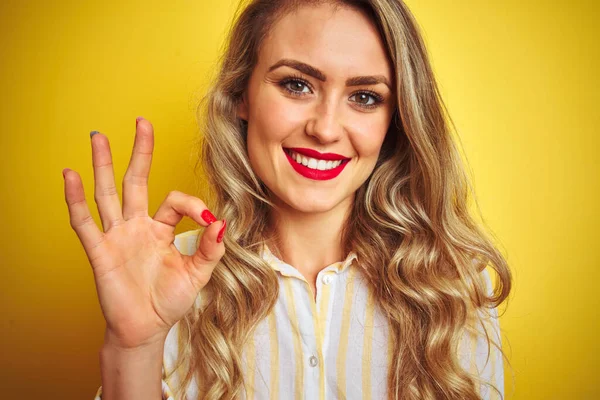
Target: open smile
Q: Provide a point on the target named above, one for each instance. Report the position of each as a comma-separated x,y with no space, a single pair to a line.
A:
327,166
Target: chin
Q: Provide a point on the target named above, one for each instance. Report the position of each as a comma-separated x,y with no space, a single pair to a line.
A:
311,205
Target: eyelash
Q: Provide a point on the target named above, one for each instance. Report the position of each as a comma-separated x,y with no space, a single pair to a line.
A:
295,79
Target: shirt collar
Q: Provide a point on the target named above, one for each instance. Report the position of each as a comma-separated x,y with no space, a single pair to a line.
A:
288,270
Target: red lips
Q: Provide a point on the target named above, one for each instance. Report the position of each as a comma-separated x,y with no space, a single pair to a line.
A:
316,174
315,154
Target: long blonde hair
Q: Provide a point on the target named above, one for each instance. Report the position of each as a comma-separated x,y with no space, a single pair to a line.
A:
419,248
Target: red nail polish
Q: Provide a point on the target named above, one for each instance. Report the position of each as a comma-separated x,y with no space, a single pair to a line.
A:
221,233
208,217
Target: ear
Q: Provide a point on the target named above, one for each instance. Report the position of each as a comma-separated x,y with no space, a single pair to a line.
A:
242,108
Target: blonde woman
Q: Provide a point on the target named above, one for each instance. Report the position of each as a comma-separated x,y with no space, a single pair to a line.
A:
344,263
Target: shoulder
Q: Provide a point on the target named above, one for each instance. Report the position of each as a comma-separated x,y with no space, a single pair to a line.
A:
480,348
485,274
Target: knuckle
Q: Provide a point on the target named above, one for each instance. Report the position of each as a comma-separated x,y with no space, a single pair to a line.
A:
78,223
108,165
116,222
107,191
135,180
200,203
174,194
76,204
202,254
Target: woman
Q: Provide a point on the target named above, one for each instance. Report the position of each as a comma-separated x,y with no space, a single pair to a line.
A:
351,267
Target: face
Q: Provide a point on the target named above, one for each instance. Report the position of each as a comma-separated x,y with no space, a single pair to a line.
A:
318,106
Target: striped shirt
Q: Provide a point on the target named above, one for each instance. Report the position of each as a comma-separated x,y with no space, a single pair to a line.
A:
333,348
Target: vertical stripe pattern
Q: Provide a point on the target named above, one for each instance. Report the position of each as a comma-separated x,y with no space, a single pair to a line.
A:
345,329
367,348
335,347
274,356
297,338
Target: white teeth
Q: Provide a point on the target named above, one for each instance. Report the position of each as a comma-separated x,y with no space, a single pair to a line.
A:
314,163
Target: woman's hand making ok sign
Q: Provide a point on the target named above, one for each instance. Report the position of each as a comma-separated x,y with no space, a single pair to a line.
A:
144,284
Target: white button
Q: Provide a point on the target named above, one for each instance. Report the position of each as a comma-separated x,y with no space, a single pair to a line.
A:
313,361
327,279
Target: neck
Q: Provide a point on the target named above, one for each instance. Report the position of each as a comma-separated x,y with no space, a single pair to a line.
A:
310,241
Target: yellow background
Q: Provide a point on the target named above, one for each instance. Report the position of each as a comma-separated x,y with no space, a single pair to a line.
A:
520,80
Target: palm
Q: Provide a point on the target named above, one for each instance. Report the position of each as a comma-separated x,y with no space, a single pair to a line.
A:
141,279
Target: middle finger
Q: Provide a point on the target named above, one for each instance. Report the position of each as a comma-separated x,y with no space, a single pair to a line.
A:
105,192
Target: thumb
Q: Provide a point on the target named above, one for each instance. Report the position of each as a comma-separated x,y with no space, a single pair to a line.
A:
211,249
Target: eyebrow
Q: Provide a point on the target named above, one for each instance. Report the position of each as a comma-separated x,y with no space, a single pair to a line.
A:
317,74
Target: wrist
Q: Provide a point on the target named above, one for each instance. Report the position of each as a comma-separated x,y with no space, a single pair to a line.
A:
116,343
131,372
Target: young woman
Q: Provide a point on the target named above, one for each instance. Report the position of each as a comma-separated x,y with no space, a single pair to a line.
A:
351,267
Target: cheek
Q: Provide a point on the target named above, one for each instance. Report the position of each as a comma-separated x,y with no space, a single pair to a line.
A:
368,135
274,117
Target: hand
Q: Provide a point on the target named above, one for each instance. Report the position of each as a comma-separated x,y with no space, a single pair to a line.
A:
144,284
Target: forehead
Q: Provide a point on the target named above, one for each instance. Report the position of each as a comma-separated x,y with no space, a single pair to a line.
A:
340,41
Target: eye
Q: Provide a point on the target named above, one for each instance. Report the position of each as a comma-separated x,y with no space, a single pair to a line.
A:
295,86
366,99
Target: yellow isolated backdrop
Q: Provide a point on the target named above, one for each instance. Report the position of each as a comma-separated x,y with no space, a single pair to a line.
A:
520,80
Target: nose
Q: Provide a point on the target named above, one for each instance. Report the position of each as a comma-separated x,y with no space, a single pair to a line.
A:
325,125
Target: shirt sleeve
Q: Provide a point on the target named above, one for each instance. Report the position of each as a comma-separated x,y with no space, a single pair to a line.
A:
483,360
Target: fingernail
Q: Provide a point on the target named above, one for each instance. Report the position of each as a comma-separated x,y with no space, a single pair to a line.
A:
138,119
64,171
92,133
208,217
221,233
